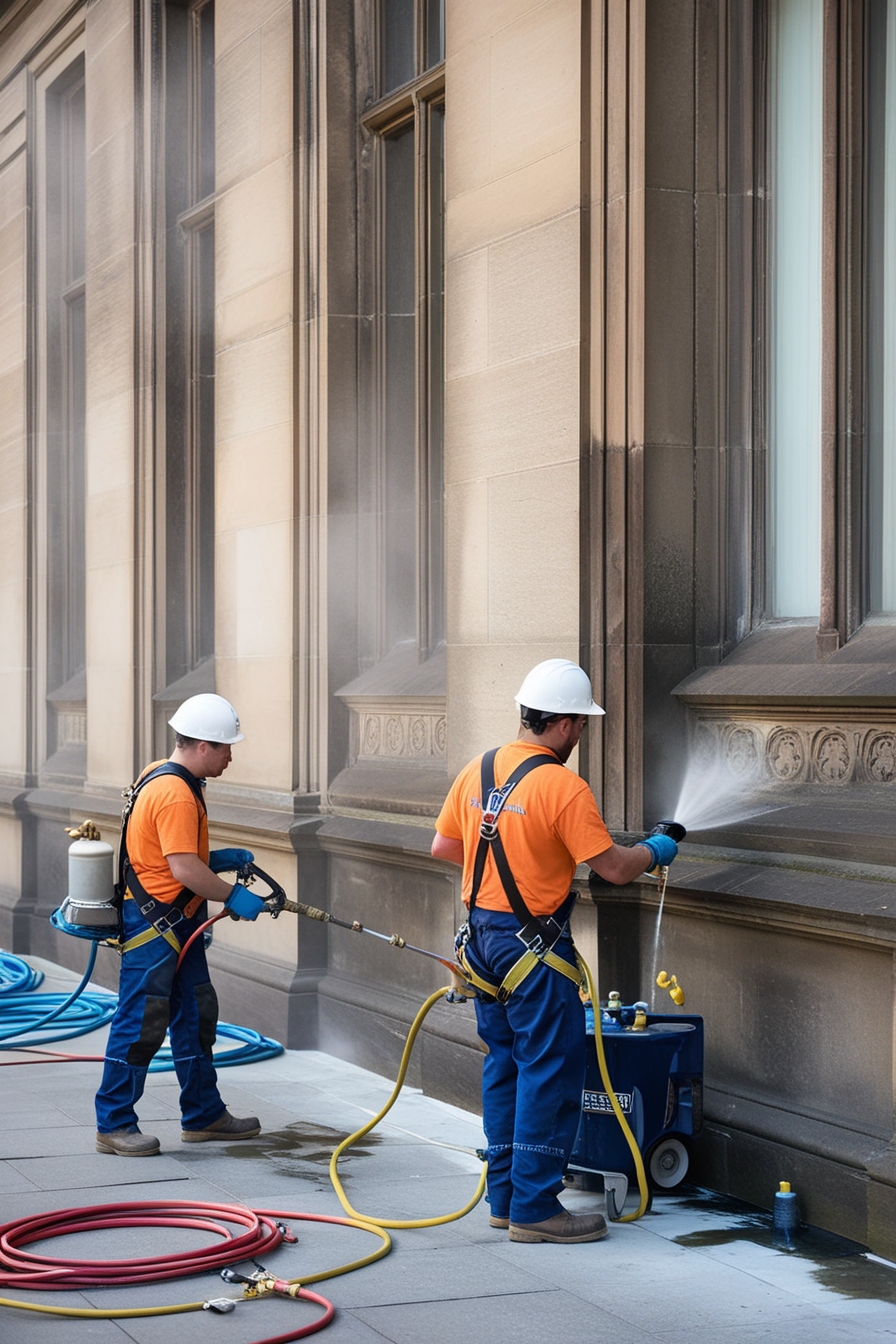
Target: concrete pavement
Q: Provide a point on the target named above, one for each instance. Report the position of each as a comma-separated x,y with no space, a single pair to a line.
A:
696,1270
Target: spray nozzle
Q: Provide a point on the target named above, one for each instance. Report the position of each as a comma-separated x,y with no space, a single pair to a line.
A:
673,829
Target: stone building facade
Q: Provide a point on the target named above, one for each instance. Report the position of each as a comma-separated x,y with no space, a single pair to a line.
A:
355,355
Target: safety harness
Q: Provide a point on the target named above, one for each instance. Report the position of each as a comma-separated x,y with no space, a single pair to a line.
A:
538,934
162,916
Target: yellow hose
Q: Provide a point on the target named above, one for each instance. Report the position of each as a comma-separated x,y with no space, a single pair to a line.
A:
366,1222
643,1188
371,1124
92,1313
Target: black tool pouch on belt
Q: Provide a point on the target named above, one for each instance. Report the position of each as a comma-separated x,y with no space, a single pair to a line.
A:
163,915
538,935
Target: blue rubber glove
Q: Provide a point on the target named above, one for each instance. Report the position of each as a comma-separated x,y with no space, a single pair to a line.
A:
662,847
225,860
244,903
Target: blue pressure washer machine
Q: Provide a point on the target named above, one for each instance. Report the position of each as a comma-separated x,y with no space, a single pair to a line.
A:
656,1069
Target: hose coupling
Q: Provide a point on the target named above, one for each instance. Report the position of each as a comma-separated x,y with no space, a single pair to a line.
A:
220,1305
286,1233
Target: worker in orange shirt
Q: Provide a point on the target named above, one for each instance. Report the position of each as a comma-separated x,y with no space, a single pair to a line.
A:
519,831
170,875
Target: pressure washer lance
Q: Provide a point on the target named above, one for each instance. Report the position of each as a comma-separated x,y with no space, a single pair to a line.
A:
675,831
277,902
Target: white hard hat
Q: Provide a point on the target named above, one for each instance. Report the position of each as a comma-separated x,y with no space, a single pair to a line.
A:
208,718
557,686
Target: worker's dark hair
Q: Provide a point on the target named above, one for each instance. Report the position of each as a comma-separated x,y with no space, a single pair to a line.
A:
536,720
182,741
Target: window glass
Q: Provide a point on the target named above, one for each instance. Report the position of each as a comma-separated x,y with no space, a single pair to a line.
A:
66,376
190,337
408,255
436,374
435,32
881,345
204,100
399,372
397,44
795,211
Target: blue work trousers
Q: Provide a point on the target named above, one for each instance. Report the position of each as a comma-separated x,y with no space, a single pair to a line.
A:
533,1075
154,997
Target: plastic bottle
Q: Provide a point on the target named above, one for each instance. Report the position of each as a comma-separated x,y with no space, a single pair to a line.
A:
786,1217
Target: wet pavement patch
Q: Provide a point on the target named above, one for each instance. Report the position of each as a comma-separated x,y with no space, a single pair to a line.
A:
841,1265
300,1150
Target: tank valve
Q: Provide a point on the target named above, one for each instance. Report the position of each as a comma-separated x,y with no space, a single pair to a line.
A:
676,993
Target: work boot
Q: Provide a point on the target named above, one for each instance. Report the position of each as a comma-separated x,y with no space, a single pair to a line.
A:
223,1129
566,1228
495,1220
127,1143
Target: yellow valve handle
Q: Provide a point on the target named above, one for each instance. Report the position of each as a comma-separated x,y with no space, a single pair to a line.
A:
676,993
88,830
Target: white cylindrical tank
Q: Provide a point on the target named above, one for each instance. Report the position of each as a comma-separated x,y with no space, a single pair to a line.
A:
91,879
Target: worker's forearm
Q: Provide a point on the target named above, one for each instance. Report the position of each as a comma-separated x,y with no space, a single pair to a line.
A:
197,877
621,863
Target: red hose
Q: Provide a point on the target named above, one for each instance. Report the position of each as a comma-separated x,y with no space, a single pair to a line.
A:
259,1232
196,932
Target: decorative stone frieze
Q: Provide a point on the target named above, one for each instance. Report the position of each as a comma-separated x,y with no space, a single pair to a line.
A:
71,726
794,749
392,733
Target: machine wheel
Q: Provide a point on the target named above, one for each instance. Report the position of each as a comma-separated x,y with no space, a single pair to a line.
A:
668,1163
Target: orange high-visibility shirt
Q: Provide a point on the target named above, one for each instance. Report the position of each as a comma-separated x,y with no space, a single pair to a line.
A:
166,820
548,825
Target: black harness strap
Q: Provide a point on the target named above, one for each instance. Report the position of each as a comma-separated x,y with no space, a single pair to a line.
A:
539,935
163,915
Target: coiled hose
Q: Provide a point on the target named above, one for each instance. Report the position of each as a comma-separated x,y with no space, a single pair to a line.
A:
27,1019
16,975
259,1231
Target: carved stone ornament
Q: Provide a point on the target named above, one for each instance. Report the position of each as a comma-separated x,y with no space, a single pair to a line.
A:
785,754
799,751
414,735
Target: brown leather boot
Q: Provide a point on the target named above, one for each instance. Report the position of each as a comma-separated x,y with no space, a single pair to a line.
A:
225,1128
565,1227
127,1143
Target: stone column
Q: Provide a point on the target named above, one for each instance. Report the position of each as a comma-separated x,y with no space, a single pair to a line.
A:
254,488
111,343
14,559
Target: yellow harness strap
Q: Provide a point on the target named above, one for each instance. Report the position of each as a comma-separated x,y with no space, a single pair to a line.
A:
518,972
140,938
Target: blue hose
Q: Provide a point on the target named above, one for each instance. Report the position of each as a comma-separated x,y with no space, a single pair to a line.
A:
16,975
255,1048
78,1013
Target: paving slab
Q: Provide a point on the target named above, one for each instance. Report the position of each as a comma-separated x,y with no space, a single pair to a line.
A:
696,1270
